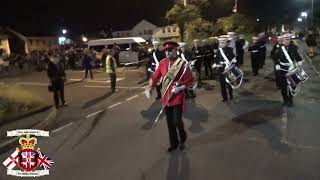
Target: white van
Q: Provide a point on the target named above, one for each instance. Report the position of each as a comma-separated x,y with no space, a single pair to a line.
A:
129,47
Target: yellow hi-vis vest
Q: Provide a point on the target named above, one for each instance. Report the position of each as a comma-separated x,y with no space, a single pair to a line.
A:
108,64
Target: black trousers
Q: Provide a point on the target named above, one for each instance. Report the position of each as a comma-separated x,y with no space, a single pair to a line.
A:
198,66
175,125
255,64
277,77
286,95
58,92
159,90
239,60
113,80
208,67
90,70
224,86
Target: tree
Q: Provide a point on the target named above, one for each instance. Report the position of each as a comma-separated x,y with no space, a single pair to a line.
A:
199,29
181,14
237,23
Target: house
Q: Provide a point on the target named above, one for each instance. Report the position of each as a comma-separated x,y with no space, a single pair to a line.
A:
41,43
4,44
166,33
143,29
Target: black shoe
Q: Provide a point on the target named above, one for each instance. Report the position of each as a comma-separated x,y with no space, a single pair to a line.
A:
225,100
64,104
231,97
172,148
285,103
158,98
290,104
182,147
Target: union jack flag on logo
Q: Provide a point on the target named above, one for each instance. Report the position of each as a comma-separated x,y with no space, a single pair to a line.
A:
44,161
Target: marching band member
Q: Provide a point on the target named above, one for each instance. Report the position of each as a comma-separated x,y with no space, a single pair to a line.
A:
156,57
255,56
283,58
207,60
232,42
241,45
176,78
186,55
220,61
274,50
197,53
263,48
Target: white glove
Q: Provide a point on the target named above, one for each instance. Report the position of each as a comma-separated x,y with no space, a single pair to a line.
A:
234,61
193,63
148,92
278,67
149,69
214,65
299,63
177,89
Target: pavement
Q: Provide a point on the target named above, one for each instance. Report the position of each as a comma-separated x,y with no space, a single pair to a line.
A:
104,136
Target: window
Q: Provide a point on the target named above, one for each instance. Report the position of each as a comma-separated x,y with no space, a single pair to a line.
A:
145,32
169,30
150,32
174,29
163,30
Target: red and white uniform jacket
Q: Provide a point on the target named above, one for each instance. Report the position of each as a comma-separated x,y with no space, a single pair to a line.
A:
186,80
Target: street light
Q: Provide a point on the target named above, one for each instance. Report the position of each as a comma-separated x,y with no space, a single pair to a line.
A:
258,20
64,31
304,14
299,19
84,39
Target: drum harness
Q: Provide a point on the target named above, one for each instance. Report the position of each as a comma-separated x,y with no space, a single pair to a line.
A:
292,65
228,64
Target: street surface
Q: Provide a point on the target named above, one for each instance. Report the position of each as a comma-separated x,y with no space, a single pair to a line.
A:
104,136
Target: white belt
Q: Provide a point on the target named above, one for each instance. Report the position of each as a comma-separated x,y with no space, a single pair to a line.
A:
255,51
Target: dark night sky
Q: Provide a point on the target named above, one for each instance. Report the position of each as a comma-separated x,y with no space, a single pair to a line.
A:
45,17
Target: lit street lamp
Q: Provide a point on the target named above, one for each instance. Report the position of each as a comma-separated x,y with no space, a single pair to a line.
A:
258,20
64,31
304,14
84,39
299,19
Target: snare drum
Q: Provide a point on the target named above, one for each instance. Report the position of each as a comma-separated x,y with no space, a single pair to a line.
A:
296,76
232,73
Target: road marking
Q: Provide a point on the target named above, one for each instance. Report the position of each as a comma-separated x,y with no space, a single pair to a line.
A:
112,106
104,81
75,79
93,114
32,84
133,97
61,128
118,87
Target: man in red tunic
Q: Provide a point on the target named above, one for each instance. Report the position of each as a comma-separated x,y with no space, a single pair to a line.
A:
176,78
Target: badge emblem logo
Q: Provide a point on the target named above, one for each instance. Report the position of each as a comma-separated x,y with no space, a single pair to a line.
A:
28,159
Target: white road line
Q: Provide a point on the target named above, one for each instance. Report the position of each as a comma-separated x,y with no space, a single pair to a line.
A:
61,128
32,84
133,97
118,87
93,114
112,106
75,79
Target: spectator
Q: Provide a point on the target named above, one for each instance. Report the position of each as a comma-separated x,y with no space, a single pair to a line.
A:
57,76
86,62
311,43
111,69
